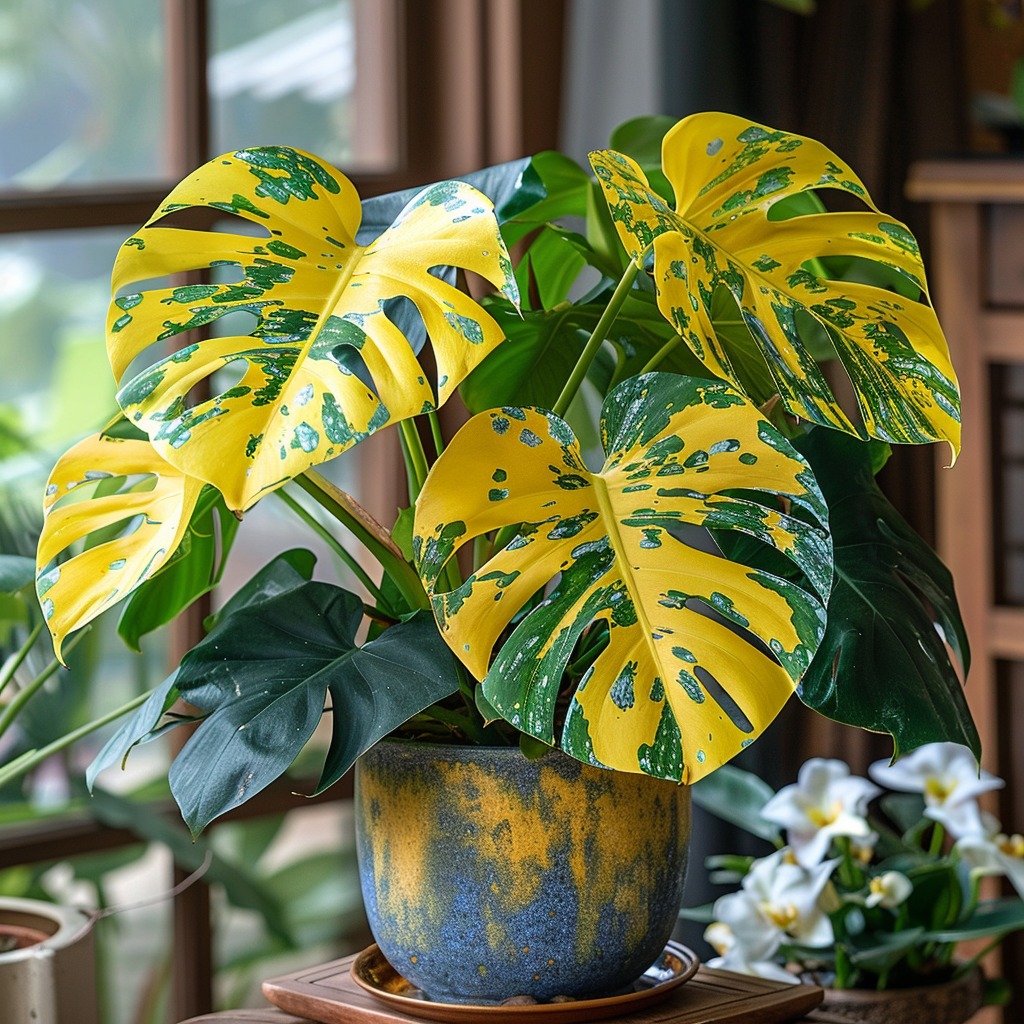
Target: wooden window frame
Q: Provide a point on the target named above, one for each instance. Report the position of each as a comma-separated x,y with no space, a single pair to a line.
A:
450,84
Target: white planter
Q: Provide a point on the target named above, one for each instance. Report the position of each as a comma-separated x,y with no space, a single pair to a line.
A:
52,981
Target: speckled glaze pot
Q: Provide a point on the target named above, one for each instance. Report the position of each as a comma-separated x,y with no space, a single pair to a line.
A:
486,875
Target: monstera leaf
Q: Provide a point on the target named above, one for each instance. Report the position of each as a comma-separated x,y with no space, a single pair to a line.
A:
319,303
126,508
895,651
286,653
702,652
727,174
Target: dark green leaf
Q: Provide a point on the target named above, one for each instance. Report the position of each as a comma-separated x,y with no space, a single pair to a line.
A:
383,684
501,183
194,569
140,727
993,917
532,748
261,678
640,138
551,265
884,948
532,366
737,796
285,572
553,187
16,573
884,665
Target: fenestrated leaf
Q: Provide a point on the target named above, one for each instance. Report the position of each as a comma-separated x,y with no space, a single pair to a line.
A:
676,692
895,650
127,506
727,174
261,678
194,569
319,304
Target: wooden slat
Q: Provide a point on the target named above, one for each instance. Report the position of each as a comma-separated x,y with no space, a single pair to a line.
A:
328,994
966,181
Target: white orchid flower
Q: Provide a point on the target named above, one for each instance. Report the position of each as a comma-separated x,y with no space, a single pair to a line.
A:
748,950
948,777
889,890
825,802
788,896
997,854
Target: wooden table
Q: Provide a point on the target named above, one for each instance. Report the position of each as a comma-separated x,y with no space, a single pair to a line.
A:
711,997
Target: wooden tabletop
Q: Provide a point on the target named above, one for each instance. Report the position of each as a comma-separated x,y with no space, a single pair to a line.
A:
278,1017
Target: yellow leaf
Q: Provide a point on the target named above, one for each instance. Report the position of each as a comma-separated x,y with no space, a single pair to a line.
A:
323,365
122,511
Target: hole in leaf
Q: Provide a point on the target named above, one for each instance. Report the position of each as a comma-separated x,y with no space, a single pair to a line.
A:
723,699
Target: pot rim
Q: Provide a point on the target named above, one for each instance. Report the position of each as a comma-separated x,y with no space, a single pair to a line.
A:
972,977
71,923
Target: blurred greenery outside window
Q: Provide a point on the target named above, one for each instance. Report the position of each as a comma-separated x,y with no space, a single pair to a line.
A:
93,102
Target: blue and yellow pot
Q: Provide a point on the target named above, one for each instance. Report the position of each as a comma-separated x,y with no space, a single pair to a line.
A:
486,875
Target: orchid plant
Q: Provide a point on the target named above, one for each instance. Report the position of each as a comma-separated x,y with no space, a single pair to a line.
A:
643,586
866,888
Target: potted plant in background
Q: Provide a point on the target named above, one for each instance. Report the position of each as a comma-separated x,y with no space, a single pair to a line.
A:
650,617
871,902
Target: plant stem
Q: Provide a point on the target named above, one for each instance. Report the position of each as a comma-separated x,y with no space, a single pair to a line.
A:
25,694
435,431
332,542
658,356
417,457
15,663
938,834
390,558
593,346
31,758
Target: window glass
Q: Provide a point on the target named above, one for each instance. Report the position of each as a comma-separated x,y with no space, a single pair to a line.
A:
283,74
54,289
81,92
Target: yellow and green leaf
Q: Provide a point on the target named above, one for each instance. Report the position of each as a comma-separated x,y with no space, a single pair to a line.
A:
115,512
727,174
702,652
323,366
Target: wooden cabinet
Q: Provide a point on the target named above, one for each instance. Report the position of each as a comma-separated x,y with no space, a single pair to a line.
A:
977,283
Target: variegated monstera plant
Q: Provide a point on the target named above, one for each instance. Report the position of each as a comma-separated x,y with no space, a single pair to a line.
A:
644,586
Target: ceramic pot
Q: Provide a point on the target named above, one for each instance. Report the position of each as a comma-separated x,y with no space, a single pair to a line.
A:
48,968
487,876
949,1002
